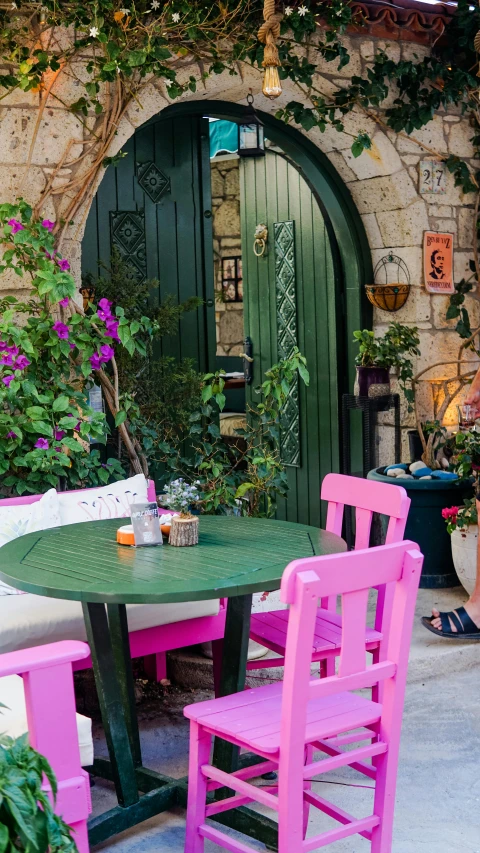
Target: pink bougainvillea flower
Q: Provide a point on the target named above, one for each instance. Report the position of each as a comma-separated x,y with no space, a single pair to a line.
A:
49,255
41,444
3,346
48,224
112,329
12,434
13,350
96,361
63,264
77,427
59,433
72,346
103,310
61,329
107,352
7,359
7,379
22,362
15,225
64,302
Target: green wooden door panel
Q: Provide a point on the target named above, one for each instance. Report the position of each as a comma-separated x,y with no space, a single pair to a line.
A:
273,191
235,556
162,186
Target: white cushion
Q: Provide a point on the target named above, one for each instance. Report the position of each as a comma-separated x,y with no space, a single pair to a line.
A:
31,620
27,518
13,718
103,502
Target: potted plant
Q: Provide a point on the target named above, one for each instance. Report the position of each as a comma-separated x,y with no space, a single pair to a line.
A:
377,356
180,496
27,818
462,524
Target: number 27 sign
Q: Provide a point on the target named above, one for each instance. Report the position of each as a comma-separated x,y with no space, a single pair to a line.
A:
433,177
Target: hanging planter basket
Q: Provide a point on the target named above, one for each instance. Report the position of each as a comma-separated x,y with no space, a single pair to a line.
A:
392,284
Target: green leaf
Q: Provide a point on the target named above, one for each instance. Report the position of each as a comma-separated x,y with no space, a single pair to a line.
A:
120,417
43,428
136,58
61,404
243,489
36,413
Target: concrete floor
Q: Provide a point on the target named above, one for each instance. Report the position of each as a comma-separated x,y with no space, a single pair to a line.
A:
438,798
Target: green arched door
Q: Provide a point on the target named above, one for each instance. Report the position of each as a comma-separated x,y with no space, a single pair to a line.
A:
290,296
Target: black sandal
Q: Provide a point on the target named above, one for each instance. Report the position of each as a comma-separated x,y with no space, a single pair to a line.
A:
466,628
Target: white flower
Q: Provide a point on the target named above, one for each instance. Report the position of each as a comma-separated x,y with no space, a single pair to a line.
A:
302,10
288,11
176,17
155,5
125,11
94,31
13,6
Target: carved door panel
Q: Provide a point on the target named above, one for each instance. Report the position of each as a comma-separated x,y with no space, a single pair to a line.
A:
290,300
154,207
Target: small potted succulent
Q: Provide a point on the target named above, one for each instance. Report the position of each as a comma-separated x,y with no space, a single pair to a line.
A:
180,496
377,356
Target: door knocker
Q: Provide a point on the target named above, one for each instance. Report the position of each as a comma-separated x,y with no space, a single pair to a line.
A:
260,241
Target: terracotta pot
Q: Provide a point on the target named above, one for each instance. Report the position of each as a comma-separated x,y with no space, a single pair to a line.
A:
372,382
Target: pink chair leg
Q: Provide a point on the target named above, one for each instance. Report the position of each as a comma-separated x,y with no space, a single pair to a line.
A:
307,787
327,667
156,666
80,831
200,748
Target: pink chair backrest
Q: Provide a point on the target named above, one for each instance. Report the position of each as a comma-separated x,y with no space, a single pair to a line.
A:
367,497
23,500
350,575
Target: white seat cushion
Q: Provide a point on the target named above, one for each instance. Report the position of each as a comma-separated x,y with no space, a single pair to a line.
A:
103,502
31,620
13,718
20,519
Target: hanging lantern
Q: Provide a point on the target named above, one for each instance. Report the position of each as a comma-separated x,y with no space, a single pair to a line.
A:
251,137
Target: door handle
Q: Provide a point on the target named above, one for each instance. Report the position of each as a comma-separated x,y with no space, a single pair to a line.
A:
247,356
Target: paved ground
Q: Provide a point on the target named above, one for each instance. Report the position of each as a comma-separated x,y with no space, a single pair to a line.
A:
438,802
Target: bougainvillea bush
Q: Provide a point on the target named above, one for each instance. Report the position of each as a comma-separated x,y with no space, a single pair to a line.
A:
51,353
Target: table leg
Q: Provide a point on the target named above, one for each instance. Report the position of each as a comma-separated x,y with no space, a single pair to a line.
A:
117,620
234,669
111,703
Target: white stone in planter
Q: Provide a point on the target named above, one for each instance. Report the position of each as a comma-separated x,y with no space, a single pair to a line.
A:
464,554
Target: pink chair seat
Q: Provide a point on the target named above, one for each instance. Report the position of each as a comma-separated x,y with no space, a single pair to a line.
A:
270,629
254,717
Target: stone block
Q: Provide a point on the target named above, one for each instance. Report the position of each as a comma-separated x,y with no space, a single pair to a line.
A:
217,183
231,328
367,49
404,227
414,52
447,225
380,159
56,128
354,67
440,306
373,231
343,170
442,210
232,182
410,255
432,136
227,219
455,195
410,159
15,182
152,99
440,348
459,139
392,49
390,192
465,227
461,265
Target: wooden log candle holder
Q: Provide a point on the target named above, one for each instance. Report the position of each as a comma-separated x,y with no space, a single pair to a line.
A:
184,531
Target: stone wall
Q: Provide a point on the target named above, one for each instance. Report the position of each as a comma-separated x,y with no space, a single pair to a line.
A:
383,182
226,243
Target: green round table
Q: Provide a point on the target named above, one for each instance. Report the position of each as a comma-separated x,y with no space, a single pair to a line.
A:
234,558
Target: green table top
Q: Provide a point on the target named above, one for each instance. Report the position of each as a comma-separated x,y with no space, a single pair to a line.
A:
235,556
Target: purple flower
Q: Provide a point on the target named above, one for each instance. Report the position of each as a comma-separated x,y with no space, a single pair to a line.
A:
48,224
13,350
112,328
7,379
61,329
107,352
7,359
95,361
59,433
15,225
103,310
77,427
64,302
41,443
3,346
49,255
72,346
63,264
12,434
21,363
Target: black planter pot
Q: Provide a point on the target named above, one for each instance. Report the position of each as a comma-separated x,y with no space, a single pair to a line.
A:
372,382
425,524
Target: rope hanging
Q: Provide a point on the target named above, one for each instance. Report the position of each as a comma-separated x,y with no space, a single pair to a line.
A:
269,32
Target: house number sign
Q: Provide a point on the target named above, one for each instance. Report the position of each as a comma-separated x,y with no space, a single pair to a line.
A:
433,177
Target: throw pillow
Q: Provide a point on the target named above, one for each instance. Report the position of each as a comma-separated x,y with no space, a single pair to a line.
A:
102,502
20,519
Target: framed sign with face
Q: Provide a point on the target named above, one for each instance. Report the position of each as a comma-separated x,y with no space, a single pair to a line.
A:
438,262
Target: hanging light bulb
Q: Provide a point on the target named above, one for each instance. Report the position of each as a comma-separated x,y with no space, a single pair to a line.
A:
272,87
268,34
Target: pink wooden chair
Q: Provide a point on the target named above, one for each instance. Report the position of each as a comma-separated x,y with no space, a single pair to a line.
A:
52,727
270,628
285,723
154,642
